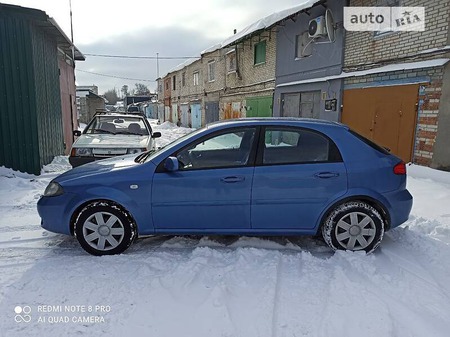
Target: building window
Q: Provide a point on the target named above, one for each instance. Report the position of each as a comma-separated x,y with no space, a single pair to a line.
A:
303,45
386,3
167,84
159,87
174,82
260,52
183,79
231,61
196,77
211,71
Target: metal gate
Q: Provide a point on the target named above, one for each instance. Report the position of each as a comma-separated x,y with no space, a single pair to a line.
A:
184,110
259,106
212,112
174,114
386,115
302,104
196,116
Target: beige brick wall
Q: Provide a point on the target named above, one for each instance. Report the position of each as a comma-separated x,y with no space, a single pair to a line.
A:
364,47
250,80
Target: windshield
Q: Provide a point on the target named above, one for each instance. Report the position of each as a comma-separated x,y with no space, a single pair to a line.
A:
117,125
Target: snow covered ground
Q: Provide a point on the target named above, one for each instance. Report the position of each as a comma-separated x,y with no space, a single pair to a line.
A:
224,286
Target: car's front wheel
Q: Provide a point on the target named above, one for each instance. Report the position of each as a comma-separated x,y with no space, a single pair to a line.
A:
103,228
354,226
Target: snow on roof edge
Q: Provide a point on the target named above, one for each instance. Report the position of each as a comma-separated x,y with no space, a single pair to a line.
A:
383,69
268,21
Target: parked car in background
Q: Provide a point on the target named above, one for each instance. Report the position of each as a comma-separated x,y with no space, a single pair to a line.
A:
252,177
133,108
112,134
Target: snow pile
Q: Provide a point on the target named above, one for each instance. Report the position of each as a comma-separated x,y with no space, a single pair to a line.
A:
198,286
169,133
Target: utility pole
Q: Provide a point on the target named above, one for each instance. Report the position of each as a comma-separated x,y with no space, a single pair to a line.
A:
73,99
157,65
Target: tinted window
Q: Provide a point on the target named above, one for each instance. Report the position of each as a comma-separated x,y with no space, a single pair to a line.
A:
369,142
293,146
229,149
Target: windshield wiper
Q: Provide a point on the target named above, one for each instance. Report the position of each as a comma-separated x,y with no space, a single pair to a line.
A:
103,131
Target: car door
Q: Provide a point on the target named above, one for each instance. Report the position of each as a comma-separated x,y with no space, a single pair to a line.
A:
212,187
298,172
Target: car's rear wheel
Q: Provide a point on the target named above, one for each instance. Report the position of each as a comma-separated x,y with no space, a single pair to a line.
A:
103,228
354,226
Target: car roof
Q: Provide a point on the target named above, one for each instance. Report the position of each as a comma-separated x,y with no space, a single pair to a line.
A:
292,121
119,114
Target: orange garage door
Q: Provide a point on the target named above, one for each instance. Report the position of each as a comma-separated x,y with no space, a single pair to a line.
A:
386,115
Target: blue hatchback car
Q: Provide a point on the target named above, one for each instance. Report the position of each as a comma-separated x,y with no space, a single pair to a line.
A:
250,176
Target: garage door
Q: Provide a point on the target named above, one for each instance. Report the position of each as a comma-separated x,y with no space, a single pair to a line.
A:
386,115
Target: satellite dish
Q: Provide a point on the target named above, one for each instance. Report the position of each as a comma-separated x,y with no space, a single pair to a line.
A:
329,25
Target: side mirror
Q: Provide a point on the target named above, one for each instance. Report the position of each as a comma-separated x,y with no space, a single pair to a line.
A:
171,164
77,133
156,134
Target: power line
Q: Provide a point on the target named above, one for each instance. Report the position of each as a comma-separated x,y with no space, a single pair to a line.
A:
145,57
113,76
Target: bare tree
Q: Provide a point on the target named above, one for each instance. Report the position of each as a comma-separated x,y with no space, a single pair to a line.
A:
111,96
124,90
141,89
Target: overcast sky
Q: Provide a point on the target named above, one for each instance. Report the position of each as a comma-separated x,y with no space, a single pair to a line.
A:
174,28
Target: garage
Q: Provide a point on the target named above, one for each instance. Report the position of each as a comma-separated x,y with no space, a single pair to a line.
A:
387,115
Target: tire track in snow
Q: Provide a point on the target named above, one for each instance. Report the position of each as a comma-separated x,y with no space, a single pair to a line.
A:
276,297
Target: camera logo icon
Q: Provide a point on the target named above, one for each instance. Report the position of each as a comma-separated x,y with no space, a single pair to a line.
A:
22,314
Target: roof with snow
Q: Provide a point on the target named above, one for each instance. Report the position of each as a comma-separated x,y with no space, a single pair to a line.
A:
268,22
256,27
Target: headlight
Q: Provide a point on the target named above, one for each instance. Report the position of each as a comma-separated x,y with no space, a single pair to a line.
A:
81,152
134,151
53,189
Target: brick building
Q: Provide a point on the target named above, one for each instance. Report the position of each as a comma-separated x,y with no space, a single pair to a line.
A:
397,87
392,87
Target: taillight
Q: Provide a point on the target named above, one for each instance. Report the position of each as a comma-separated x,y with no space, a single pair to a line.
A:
400,168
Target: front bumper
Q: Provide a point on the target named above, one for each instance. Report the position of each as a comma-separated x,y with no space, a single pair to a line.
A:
55,213
78,161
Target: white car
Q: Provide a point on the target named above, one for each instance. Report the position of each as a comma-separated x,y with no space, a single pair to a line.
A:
112,134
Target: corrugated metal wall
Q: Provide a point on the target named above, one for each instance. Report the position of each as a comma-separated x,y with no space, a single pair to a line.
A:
48,97
30,106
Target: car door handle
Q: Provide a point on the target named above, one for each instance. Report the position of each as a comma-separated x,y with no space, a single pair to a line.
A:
326,175
232,179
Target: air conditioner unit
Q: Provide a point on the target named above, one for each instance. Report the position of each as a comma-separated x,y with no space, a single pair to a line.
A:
317,27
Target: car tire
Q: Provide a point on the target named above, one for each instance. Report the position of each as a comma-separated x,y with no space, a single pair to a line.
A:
354,226
103,228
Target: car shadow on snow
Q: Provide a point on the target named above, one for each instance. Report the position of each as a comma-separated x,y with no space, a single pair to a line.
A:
292,244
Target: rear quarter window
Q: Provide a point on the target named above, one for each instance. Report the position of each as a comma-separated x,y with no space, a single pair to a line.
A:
373,145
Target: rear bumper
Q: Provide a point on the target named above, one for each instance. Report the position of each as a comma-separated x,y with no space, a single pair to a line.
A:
400,206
